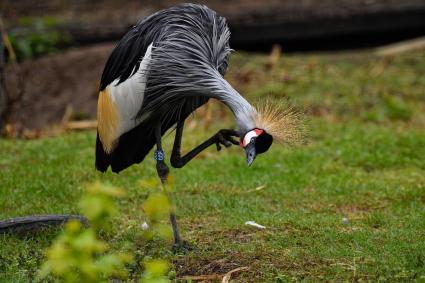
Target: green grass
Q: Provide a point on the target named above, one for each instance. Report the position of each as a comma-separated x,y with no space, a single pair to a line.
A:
364,160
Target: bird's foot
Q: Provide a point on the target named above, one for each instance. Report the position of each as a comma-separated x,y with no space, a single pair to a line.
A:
225,137
183,247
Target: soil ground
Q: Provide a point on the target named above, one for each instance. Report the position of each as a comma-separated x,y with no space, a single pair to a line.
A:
55,82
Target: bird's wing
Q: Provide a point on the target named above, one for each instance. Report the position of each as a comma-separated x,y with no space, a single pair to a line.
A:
120,102
126,56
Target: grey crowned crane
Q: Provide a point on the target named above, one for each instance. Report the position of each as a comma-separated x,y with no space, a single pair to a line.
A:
162,70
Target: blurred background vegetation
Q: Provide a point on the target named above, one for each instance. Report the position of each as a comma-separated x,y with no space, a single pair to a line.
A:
38,36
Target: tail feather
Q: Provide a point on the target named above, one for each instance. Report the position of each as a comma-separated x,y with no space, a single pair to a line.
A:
132,148
102,158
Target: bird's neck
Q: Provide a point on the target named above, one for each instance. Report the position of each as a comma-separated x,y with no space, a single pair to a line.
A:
243,111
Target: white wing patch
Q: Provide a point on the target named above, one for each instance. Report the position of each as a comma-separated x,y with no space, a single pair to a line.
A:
127,99
128,96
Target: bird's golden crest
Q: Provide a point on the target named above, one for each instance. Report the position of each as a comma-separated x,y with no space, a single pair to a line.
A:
281,121
107,121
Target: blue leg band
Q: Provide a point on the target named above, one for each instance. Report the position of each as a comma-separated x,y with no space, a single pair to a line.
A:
159,155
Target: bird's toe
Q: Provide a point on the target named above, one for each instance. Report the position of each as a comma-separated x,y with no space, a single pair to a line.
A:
183,247
222,140
218,146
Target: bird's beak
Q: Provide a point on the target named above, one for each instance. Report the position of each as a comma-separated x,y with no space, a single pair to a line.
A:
250,153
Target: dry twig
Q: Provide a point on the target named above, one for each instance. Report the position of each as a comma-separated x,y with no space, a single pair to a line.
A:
196,278
228,275
81,125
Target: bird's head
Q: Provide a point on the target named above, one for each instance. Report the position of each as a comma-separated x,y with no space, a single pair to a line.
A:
254,142
274,121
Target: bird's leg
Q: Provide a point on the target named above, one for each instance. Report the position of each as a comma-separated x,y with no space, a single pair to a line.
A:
161,167
222,137
162,170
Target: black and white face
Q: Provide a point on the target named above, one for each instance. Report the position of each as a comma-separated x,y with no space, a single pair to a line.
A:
255,142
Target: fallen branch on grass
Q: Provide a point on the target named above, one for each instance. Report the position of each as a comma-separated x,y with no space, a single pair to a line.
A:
37,222
225,278
228,275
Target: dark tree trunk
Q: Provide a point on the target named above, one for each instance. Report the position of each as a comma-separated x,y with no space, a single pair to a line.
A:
3,95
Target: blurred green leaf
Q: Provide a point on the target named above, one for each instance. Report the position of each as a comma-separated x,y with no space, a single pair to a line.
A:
79,255
155,271
157,207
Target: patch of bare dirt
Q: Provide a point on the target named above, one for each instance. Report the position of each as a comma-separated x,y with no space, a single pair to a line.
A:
55,82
